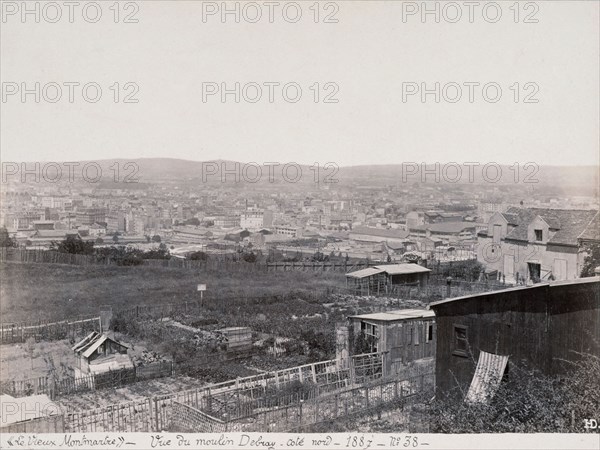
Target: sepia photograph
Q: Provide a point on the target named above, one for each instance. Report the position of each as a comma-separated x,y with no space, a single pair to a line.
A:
310,224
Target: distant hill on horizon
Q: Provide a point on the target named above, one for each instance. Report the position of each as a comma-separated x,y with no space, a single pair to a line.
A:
148,170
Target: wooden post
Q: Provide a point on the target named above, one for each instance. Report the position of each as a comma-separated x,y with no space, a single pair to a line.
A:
337,401
156,411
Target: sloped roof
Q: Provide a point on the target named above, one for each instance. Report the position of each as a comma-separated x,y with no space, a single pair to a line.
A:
381,232
54,233
586,280
89,344
390,269
398,314
592,231
444,227
568,223
401,269
363,273
512,219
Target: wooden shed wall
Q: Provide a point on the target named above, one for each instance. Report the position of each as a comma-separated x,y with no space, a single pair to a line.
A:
533,326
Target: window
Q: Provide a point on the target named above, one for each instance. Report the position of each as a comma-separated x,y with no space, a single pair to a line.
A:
370,330
371,334
428,332
538,235
460,340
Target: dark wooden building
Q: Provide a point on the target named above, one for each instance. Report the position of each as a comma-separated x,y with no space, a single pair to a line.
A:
407,335
99,353
380,279
539,327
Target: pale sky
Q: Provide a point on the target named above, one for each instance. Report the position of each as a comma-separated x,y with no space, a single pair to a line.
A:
368,54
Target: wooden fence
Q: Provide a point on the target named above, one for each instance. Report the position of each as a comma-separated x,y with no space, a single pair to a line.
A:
234,399
41,256
344,403
344,267
186,411
112,379
11,333
437,288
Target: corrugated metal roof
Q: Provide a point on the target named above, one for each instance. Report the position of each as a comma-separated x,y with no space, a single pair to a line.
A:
487,377
398,314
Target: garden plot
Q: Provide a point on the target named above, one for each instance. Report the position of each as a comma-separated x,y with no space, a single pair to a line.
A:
32,360
132,392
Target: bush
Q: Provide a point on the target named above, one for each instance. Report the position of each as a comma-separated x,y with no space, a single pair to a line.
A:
529,402
591,261
249,257
74,245
198,256
5,239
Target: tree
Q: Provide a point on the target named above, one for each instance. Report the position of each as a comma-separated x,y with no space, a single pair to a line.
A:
99,240
198,256
591,261
156,238
249,257
74,245
160,253
5,239
320,257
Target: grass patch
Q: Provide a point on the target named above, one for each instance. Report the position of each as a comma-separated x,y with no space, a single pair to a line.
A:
31,292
